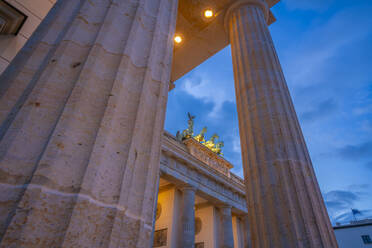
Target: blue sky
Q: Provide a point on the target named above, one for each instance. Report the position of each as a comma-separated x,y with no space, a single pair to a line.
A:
325,48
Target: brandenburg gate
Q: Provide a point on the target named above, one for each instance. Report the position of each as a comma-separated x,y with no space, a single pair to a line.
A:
82,110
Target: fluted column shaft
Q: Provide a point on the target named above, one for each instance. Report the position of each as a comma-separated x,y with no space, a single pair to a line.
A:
285,206
82,109
187,223
246,232
227,236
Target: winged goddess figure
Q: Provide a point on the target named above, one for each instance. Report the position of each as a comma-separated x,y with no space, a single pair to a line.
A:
189,131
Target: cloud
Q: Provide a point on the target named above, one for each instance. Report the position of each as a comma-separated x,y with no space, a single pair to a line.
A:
309,59
347,216
323,109
340,199
356,152
339,204
202,86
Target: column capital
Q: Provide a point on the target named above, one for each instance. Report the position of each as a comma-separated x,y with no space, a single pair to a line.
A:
225,209
187,187
224,205
260,3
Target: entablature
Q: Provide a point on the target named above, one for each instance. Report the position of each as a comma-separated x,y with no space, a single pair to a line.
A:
178,166
202,38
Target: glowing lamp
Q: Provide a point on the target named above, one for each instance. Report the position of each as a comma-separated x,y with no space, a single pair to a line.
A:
178,39
208,13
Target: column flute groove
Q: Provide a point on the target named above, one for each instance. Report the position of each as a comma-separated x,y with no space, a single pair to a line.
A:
244,138
94,183
284,203
16,83
270,64
44,174
153,171
256,121
89,184
256,136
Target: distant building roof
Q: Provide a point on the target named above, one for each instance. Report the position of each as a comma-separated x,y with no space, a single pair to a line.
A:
359,223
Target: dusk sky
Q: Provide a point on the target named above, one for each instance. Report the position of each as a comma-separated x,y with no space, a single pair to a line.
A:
325,48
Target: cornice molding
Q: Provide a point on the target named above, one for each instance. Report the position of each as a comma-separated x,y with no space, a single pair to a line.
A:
179,152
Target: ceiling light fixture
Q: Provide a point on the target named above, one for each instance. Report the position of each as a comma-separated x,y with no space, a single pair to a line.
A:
178,39
208,13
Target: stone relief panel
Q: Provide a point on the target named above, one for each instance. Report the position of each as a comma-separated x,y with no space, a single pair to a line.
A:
207,156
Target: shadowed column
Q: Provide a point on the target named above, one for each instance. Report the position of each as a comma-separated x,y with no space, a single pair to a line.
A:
247,233
187,223
82,109
227,236
285,206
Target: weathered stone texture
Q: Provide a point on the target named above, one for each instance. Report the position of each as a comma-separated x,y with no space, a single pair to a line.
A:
81,112
285,206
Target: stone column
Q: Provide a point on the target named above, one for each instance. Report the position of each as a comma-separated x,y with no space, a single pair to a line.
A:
285,206
82,108
246,232
187,223
227,236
